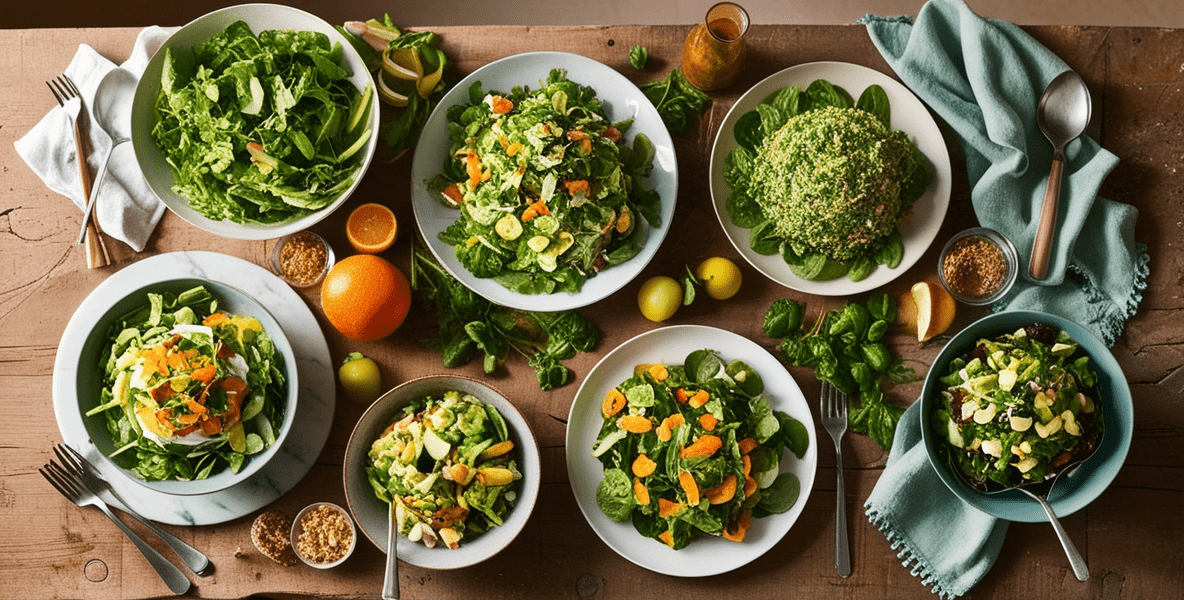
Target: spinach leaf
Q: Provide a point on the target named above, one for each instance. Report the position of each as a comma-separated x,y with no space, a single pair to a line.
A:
874,100
778,497
676,100
638,56
749,130
614,495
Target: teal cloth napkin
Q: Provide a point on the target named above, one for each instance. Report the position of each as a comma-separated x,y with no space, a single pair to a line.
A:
944,541
984,77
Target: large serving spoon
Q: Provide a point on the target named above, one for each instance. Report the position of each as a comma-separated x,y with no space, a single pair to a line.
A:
1062,114
113,112
1040,491
390,581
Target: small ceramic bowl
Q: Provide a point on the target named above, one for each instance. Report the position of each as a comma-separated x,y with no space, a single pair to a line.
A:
312,524
977,261
302,259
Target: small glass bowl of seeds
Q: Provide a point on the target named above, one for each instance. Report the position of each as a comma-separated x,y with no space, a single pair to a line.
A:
302,259
323,535
978,266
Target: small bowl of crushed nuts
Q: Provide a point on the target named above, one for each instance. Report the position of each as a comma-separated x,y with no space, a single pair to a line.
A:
323,535
302,259
978,266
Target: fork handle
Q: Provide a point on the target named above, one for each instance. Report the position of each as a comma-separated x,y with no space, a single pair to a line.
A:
96,250
192,557
172,576
842,550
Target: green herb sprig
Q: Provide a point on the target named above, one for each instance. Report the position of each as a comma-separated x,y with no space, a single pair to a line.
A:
845,348
676,100
469,323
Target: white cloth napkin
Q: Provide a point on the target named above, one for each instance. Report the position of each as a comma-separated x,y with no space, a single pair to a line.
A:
126,209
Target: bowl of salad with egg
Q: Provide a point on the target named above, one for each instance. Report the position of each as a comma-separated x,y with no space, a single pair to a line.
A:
188,386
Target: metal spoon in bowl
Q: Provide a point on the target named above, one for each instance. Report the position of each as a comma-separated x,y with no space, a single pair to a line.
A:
390,582
113,112
1040,490
1062,114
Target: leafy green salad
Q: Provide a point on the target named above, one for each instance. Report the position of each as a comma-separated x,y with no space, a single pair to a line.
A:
261,129
548,191
1019,407
821,179
188,390
449,465
695,449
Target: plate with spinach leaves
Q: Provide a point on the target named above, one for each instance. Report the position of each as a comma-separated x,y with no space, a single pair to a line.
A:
874,205
765,405
544,181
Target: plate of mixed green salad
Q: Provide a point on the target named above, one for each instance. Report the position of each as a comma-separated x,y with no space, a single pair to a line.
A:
830,178
255,121
691,450
1014,399
544,181
455,460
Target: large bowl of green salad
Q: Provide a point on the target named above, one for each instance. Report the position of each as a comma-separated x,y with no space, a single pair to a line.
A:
544,181
255,121
452,461
188,386
1016,397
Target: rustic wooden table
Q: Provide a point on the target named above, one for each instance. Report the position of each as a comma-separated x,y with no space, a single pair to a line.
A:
1132,536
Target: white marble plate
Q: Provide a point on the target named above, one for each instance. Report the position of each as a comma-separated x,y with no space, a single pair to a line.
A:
706,555
311,420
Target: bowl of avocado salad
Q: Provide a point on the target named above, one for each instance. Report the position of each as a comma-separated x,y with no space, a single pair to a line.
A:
453,460
1016,397
544,181
192,388
830,178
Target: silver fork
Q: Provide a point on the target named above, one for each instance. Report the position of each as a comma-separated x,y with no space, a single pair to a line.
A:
833,413
93,480
73,489
68,97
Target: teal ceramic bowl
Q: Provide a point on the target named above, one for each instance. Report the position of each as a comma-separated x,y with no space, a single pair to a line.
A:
1070,493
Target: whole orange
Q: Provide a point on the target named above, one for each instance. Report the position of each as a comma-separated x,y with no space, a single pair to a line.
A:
365,297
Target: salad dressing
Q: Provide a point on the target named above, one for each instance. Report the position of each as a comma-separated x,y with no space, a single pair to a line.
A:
713,54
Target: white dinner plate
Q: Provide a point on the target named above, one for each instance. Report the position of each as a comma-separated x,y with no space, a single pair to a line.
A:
621,100
310,423
706,555
918,227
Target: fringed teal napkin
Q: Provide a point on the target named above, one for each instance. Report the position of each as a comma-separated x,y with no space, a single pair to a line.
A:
985,78
944,541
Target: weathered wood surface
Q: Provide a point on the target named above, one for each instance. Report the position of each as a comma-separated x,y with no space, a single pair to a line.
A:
1132,536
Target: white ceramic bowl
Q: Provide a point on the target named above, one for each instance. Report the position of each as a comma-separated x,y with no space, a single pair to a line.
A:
622,100
370,512
259,17
89,382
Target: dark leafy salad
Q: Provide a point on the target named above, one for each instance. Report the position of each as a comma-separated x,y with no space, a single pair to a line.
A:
1018,407
449,465
845,348
261,129
188,390
548,193
695,449
822,180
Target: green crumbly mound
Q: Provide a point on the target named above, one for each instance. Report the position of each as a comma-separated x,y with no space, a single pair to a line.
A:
830,180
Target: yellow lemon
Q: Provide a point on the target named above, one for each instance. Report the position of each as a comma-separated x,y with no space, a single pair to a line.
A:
935,309
720,277
659,298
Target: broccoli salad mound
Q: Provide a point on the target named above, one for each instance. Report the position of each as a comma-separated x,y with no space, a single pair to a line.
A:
823,180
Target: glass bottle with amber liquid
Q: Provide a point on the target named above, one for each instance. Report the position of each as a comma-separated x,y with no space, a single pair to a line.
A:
714,51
